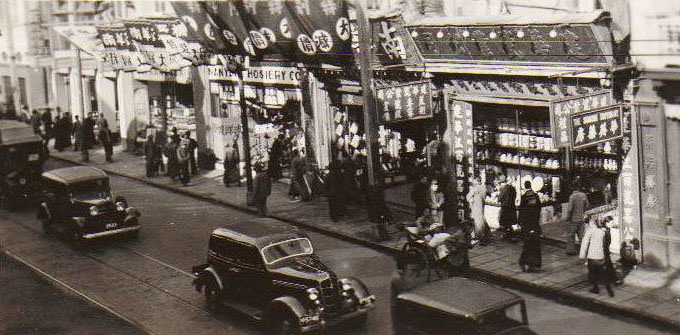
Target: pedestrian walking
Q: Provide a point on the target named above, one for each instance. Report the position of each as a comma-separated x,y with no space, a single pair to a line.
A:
476,197
418,196
25,115
47,122
262,188
66,130
297,170
35,121
529,219
576,208
508,213
334,191
170,151
77,132
275,156
87,137
595,249
232,159
106,139
150,156
435,199
193,145
58,129
183,158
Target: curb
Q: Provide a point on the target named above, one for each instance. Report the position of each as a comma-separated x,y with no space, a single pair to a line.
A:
555,294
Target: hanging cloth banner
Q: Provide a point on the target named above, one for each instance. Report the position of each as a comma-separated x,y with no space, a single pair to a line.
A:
227,17
146,38
321,30
203,34
172,33
118,49
268,26
394,45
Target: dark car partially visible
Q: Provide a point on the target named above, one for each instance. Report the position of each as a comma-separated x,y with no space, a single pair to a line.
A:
460,306
21,161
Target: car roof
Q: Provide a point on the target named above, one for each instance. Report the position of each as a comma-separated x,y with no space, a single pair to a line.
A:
75,174
13,132
260,232
461,297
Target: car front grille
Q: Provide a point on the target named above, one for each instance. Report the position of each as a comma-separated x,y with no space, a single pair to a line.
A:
330,294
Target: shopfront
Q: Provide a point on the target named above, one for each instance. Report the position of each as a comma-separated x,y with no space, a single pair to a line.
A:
272,97
530,100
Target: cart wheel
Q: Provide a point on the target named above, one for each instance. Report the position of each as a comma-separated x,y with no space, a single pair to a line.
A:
212,294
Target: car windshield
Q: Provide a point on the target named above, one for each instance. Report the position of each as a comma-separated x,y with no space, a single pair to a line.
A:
91,189
286,249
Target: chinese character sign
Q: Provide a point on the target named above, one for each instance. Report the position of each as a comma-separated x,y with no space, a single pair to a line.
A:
596,126
394,44
118,49
561,111
460,131
404,102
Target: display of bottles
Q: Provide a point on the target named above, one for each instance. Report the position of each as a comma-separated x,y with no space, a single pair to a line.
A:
528,160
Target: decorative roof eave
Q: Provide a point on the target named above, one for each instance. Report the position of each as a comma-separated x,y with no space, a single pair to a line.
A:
508,19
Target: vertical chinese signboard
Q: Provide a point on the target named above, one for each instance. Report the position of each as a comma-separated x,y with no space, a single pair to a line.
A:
597,126
406,101
460,132
629,186
562,110
394,44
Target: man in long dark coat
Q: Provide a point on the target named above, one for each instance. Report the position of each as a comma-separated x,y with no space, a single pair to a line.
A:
508,214
530,215
334,191
262,188
87,140
77,132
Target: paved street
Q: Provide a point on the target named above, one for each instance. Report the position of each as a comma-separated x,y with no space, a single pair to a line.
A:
146,281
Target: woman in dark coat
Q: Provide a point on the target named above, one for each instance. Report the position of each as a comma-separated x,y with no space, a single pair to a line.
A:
151,158
508,214
232,159
275,155
334,190
171,153
530,214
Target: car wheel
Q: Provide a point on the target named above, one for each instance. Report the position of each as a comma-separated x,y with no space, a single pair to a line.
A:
284,324
212,294
77,239
46,224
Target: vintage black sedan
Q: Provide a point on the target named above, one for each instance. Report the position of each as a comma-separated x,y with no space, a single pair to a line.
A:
460,306
77,203
268,270
21,161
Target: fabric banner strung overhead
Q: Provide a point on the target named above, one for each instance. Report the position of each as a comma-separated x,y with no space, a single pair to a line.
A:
204,32
118,49
150,36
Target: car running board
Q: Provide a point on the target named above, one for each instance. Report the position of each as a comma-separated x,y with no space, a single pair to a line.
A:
251,312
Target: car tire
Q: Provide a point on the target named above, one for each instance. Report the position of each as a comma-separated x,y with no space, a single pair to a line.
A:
282,324
46,224
212,294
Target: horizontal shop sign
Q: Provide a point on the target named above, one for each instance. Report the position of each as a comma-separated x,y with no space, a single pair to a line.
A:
596,126
578,43
562,109
406,101
264,74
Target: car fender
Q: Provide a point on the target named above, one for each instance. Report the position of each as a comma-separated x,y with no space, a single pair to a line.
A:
360,290
208,272
286,302
44,211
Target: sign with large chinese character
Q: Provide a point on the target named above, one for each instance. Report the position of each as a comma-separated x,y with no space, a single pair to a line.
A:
597,126
406,101
159,41
573,43
200,28
118,49
561,111
394,44
459,134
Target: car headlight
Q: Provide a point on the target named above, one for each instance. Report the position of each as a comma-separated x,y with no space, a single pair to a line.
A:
313,294
121,206
22,181
346,287
94,211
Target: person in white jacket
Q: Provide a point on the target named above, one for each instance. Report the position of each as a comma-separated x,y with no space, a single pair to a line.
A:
595,248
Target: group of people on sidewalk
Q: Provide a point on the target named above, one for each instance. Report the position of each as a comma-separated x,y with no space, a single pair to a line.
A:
179,152
65,130
589,236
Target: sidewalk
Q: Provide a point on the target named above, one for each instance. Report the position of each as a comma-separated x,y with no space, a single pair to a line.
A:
652,295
